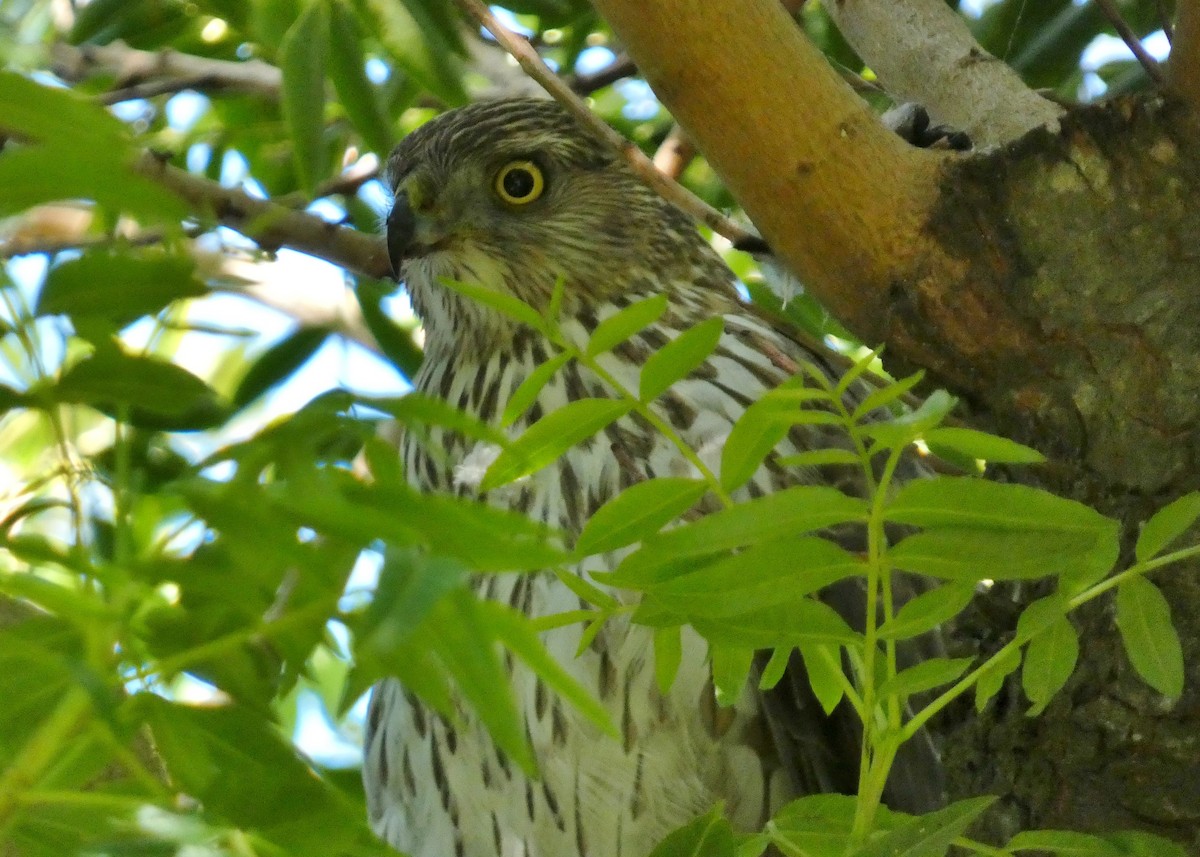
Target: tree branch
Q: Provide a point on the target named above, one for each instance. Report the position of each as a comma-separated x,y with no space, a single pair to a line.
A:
1183,68
172,71
837,195
1131,40
922,51
271,225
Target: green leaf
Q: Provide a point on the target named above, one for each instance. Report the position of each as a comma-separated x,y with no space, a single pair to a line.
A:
819,458
969,554
818,826
1050,659
637,512
1166,525
528,390
347,68
416,410
992,676
625,323
550,437
463,643
158,394
1151,641
668,654
420,47
775,668
51,173
804,621
278,363
504,304
884,396
1138,843
709,835
761,576
757,431
1039,616
926,675
55,116
679,357
823,663
513,630
929,835
1065,843
978,444
789,512
118,285
928,610
302,62
903,430
730,671
860,367
965,501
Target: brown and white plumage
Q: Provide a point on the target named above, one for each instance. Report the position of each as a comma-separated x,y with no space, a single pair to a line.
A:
437,790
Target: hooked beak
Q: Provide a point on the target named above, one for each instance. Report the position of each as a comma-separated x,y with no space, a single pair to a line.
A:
401,229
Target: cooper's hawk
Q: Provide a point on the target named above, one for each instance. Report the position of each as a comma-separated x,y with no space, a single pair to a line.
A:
513,195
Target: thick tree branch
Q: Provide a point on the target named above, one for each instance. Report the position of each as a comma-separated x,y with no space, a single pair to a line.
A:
922,51
1183,69
837,195
271,225
131,67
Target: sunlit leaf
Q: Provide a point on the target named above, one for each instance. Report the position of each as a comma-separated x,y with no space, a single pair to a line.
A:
1049,661
1151,641
625,323
926,675
550,437
118,285
529,389
302,62
637,512
1167,524
679,357
709,835
928,835
928,610
977,444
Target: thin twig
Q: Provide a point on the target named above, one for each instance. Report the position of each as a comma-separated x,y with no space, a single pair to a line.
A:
151,88
618,69
1131,40
675,153
672,191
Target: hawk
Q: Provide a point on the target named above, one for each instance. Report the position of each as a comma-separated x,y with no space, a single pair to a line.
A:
514,195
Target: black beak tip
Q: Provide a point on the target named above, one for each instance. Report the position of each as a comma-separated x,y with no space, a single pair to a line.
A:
400,229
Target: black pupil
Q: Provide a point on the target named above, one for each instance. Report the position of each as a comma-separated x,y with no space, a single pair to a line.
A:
518,182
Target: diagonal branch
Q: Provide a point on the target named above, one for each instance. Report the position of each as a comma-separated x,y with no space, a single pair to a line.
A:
269,224
1129,37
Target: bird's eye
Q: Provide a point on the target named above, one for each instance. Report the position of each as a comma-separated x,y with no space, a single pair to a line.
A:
520,182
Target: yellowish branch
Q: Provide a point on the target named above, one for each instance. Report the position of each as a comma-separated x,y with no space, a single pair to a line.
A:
1183,69
837,195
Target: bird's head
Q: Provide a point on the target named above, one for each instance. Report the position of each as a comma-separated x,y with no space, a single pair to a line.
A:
514,194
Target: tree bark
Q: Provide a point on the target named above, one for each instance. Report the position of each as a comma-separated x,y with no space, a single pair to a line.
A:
1054,283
